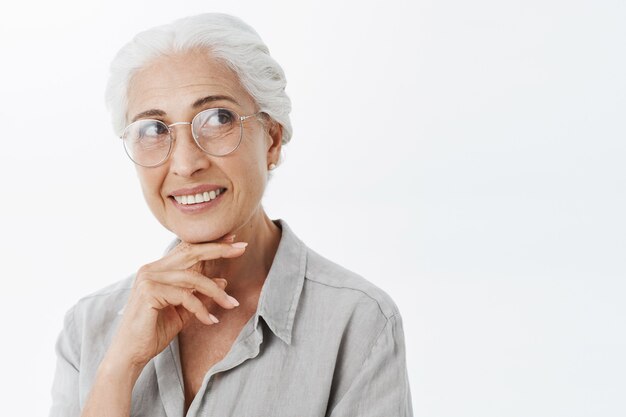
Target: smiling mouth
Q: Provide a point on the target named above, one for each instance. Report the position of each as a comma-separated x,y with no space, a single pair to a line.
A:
199,197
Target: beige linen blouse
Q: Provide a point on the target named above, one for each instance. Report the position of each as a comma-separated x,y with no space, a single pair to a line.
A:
324,342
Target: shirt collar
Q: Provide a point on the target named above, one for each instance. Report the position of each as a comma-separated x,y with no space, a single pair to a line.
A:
281,290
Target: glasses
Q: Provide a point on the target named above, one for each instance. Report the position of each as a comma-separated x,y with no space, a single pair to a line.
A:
218,132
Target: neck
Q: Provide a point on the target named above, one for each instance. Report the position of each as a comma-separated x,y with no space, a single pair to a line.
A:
248,272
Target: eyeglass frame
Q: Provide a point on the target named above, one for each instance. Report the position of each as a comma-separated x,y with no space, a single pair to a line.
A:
195,139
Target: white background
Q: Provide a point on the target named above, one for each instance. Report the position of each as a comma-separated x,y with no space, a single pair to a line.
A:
466,157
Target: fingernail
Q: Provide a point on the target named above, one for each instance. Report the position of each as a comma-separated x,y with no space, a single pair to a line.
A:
213,318
233,300
230,237
239,245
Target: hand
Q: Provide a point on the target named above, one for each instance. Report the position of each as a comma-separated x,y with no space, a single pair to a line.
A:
162,302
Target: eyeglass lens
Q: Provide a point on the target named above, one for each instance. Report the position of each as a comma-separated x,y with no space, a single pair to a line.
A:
216,132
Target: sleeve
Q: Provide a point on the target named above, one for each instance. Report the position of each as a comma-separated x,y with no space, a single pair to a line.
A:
64,391
381,387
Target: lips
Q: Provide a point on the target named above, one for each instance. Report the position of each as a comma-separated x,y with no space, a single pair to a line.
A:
200,189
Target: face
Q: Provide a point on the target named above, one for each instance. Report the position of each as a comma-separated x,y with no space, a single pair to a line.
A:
169,89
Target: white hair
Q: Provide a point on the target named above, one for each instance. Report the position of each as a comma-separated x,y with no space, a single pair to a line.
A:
228,39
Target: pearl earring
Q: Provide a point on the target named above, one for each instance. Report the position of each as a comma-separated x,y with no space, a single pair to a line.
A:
272,166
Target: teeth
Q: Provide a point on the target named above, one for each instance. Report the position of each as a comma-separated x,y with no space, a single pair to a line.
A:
198,198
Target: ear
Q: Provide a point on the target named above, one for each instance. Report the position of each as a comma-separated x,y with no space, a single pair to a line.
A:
274,141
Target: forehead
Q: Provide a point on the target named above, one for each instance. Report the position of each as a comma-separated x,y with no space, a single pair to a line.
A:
176,81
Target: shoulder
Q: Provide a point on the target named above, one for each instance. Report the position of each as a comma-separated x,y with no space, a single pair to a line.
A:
110,295
360,322
348,286
101,308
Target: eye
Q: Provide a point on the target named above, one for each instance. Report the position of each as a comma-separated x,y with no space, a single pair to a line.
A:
224,117
215,119
151,129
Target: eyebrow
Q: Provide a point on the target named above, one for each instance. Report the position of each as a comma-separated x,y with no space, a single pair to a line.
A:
198,103
148,114
208,99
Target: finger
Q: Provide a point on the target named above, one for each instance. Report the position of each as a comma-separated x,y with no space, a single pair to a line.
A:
221,282
185,255
184,314
193,280
228,238
159,296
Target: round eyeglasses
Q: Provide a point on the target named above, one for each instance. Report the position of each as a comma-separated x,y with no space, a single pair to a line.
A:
218,132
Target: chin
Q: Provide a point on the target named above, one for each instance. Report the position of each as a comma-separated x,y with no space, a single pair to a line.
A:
197,235
195,229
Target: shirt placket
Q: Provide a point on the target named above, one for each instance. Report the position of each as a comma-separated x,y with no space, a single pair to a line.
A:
169,373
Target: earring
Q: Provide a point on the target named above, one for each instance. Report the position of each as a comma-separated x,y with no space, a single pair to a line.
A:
272,166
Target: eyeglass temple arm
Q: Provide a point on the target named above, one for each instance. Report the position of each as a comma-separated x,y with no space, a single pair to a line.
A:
250,115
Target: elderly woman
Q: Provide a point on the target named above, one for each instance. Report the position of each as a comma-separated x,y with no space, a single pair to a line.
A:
239,317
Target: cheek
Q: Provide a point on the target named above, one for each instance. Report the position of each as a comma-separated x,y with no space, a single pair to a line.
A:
248,176
254,168
150,180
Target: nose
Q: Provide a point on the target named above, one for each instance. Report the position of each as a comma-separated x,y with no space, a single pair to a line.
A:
186,158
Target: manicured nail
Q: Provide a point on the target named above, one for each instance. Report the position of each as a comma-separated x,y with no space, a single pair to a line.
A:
213,318
239,245
233,300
